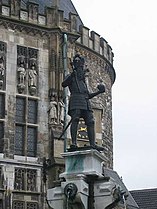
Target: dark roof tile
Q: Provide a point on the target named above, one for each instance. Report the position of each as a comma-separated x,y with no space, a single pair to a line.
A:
145,198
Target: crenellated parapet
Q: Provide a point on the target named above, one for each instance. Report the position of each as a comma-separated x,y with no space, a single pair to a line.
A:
95,42
19,17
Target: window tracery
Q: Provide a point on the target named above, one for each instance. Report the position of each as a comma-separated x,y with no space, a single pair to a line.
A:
27,70
26,127
24,205
25,179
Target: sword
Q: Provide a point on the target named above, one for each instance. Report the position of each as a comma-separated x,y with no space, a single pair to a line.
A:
65,128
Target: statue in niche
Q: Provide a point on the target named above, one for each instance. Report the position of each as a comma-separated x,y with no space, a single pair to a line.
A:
74,23
32,78
79,104
2,70
33,11
21,73
61,107
15,4
52,111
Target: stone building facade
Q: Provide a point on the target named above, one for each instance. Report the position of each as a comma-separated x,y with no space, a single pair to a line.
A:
32,67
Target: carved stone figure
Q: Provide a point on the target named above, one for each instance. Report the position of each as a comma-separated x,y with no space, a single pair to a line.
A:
32,78
79,104
15,7
2,70
21,73
33,11
61,107
53,110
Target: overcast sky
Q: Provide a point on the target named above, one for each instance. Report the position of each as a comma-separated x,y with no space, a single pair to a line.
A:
130,27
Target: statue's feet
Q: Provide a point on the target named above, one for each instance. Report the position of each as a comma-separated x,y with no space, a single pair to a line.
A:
73,146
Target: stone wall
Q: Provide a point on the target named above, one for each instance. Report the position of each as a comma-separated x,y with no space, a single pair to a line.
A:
9,162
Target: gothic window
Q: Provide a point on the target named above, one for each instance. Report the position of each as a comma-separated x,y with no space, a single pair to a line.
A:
26,127
32,54
1,178
1,130
32,205
19,140
26,108
24,205
21,51
18,205
27,70
1,136
2,106
19,179
25,179
31,141
20,109
31,180
32,111
2,46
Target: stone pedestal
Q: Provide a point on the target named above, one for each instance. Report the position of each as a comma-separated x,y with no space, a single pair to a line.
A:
87,162
83,186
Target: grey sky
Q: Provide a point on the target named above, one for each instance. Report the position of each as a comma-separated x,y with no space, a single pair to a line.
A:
130,27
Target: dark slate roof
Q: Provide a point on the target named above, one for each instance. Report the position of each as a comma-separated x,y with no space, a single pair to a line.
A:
145,198
131,204
64,5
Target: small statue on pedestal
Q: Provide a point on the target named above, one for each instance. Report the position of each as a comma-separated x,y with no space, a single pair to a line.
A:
2,69
21,72
61,107
53,110
79,104
32,79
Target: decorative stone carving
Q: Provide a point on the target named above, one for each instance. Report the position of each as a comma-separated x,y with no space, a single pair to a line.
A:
73,22
2,64
41,20
20,27
24,15
15,7
52,111
32,77
5,11
33,11
61,107
2,70
21,74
